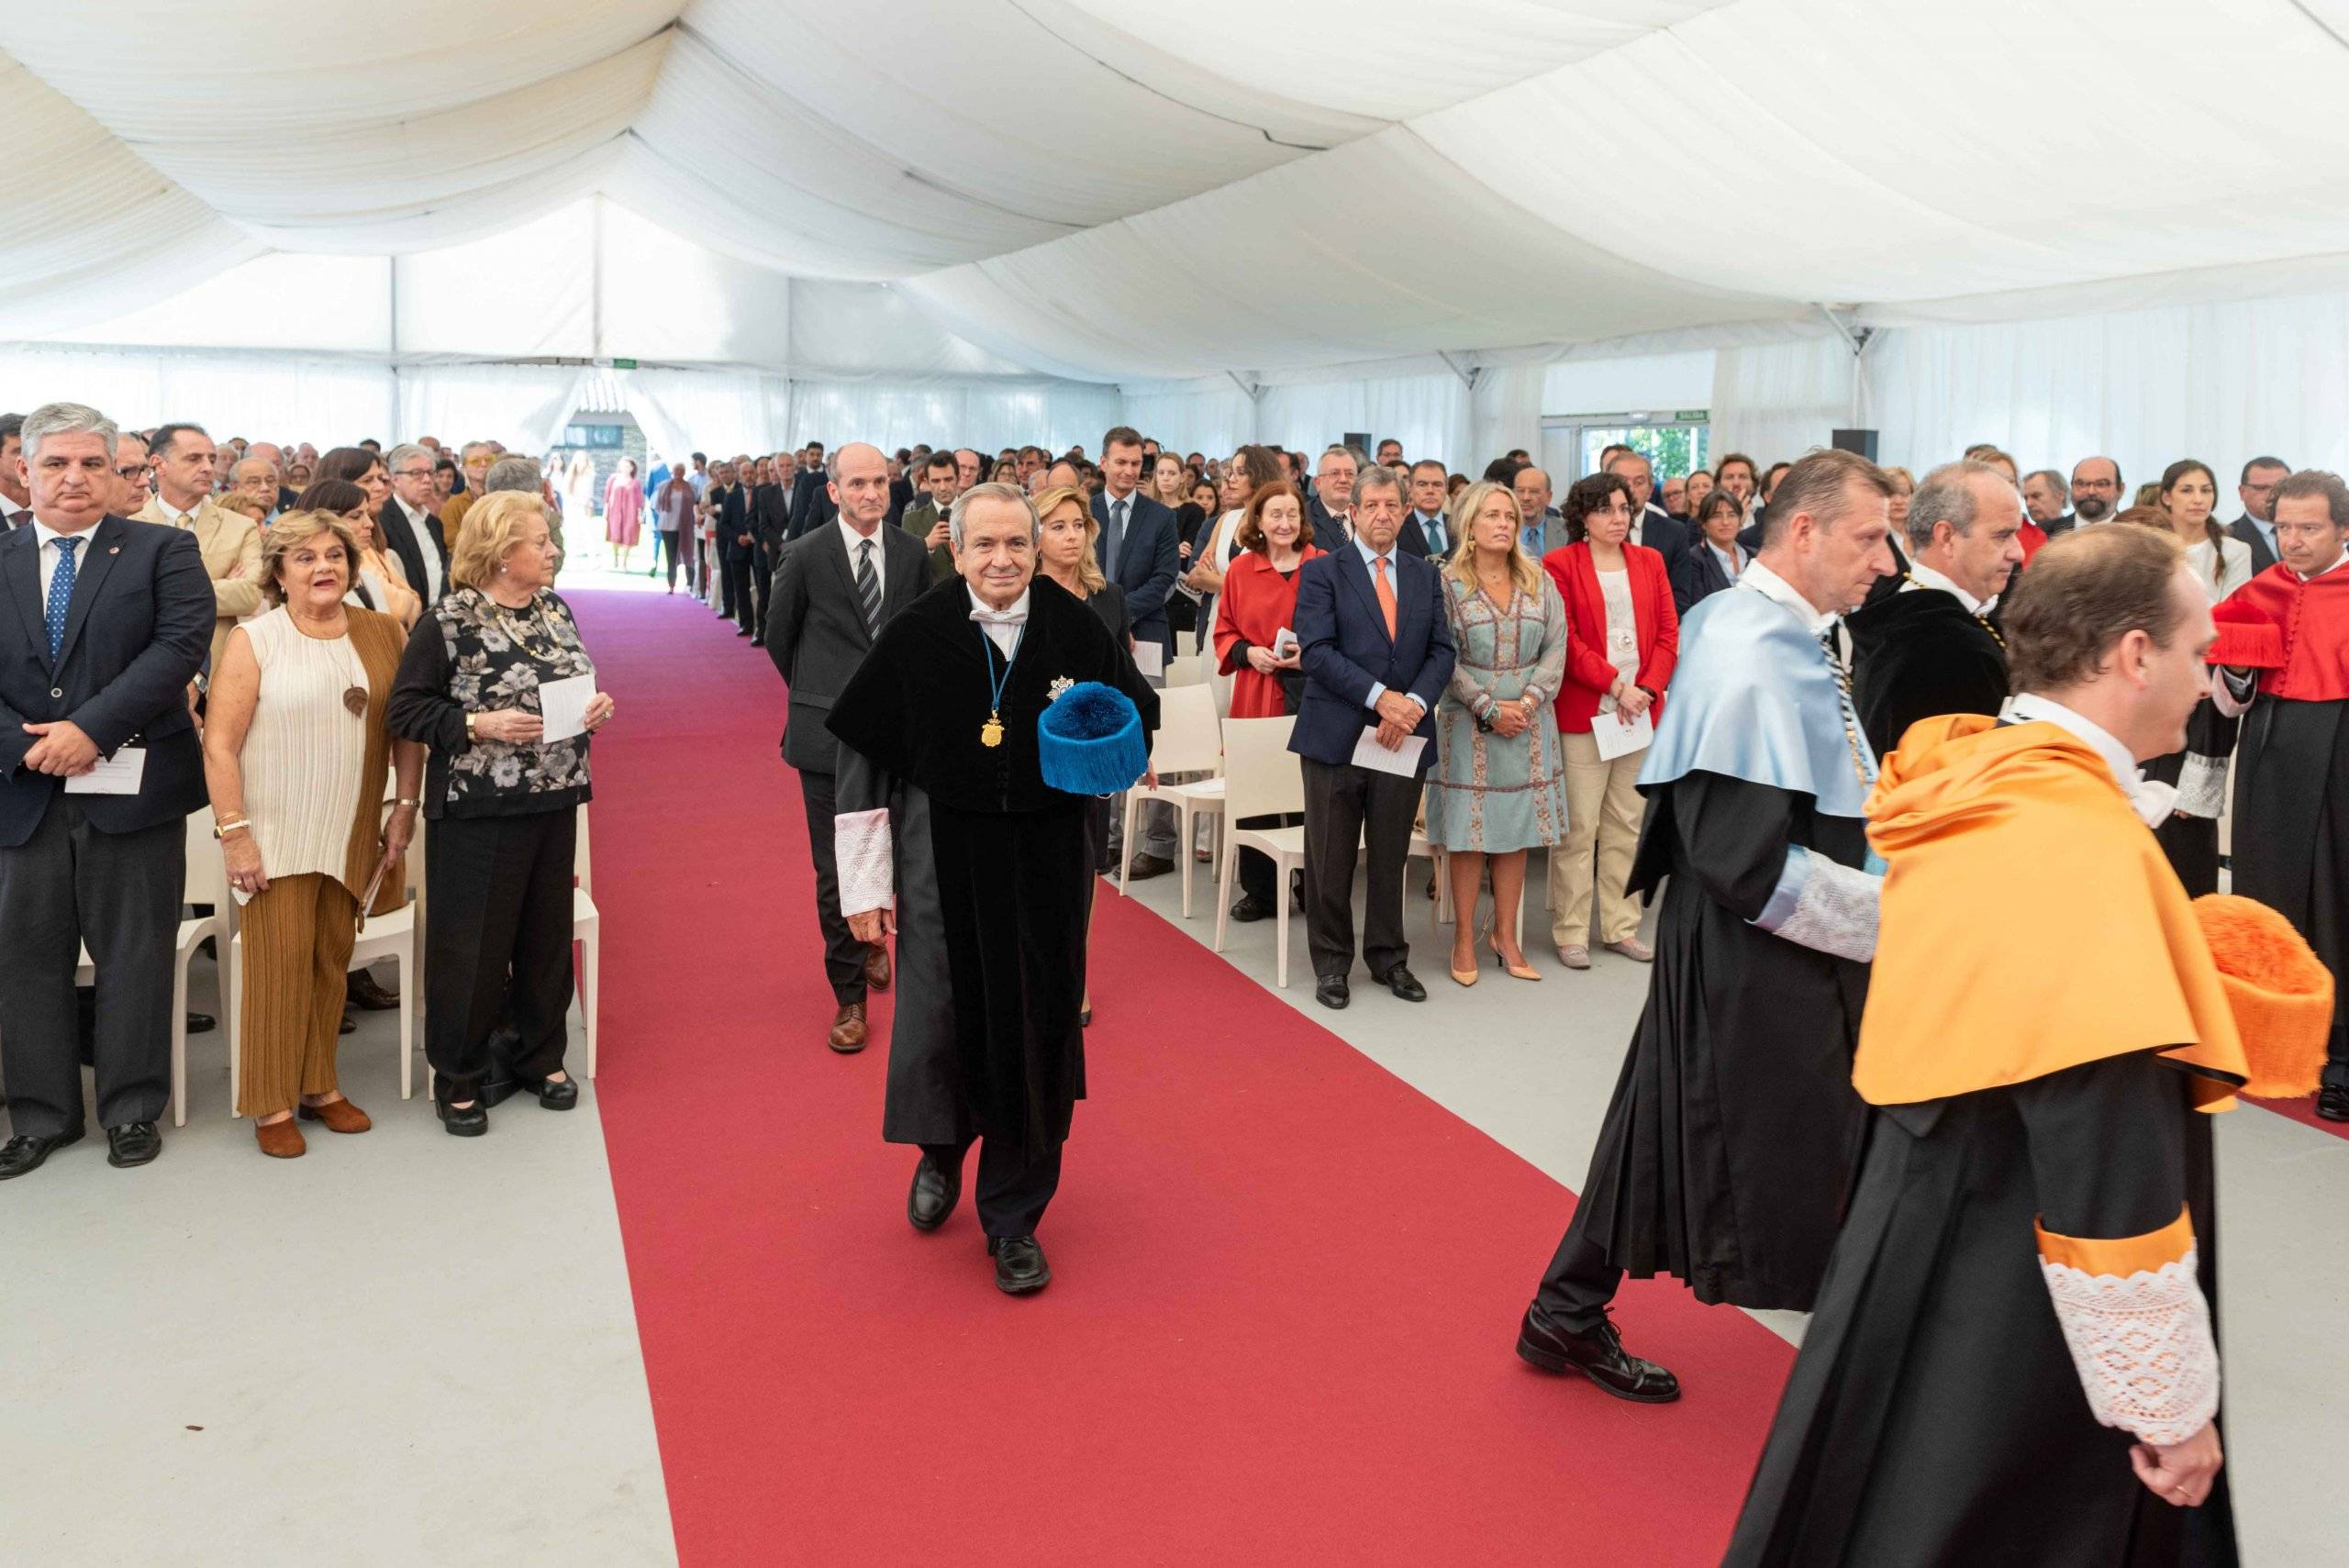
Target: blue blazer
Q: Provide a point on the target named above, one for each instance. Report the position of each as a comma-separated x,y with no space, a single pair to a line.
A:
1148,562
136,630
1345,649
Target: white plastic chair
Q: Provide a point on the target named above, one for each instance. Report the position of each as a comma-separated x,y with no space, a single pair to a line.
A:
392,936
206,882
1189,740
586,929
1261,779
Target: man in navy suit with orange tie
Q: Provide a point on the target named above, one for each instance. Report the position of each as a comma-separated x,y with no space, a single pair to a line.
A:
1376,650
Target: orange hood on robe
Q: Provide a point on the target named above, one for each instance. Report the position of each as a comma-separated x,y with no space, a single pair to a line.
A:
1982,825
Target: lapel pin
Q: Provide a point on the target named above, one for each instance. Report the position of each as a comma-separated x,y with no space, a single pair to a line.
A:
114,550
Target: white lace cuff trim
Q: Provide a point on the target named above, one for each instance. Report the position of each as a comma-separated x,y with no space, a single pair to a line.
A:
862,849
1824,905
2142,1346
2202,786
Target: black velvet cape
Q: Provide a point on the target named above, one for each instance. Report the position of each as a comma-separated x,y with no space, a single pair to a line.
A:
1013,861
2292,834
1919,655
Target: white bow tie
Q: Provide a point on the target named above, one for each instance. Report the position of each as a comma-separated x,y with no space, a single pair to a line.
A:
2153,801
1001,618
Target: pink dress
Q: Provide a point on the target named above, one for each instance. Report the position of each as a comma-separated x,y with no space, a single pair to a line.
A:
623,510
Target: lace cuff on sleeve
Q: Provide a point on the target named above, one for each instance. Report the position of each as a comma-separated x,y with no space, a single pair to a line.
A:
2138,1329
1825,905
860,846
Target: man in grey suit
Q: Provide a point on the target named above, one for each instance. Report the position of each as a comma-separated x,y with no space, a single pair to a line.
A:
104,623
835,587
2256,526
1545,526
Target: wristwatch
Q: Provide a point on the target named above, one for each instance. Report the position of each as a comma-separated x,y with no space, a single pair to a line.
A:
470,733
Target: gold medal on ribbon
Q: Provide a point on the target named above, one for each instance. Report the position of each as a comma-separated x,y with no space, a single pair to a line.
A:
991,732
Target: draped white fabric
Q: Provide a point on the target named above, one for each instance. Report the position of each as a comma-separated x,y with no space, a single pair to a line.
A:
1778,400
260,396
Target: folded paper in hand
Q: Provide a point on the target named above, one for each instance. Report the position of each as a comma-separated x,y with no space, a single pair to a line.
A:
1404,759
562,706
1616,738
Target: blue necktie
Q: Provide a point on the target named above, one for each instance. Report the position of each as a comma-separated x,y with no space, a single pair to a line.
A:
60,593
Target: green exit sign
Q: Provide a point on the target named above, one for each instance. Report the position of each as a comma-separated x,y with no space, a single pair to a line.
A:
630,364
1686,415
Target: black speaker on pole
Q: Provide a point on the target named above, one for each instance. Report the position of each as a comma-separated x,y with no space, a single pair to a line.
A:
1358,439
1859,441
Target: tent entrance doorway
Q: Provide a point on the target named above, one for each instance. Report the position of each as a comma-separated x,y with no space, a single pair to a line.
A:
1674,443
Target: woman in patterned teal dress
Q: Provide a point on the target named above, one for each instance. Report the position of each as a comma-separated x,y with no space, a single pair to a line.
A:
1498,786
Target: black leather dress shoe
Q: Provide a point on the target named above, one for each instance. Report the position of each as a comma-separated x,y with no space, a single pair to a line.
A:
1250,907
365,991
349,1023
936,1191
1598,1356
133,1143
1404,983
202,1023
1329,990
2333,1102
554,1094
24,1152
470,1122
1020,1266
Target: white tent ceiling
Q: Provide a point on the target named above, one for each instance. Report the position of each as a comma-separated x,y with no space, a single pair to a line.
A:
1118,191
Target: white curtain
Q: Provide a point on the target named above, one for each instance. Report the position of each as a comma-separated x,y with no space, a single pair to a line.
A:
1214,414
277,397
718,412
2219,383
522,406
1429,413
1776,401
982,414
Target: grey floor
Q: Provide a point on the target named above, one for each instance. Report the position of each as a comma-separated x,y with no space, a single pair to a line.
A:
1532,1064
403,1348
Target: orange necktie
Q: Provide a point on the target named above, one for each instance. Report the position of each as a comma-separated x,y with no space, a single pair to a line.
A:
1386,595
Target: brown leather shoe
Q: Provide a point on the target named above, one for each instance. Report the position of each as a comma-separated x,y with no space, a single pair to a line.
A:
340,1116
876,968
848,1029
280,1139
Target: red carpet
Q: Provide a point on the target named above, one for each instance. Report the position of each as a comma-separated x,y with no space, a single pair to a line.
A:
1287,1283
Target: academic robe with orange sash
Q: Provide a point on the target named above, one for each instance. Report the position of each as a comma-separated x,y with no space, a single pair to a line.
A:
2290,636
2017,1295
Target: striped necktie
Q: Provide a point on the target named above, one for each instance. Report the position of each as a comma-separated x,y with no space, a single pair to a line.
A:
868,588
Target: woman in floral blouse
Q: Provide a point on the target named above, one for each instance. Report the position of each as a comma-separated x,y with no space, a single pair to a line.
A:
503,801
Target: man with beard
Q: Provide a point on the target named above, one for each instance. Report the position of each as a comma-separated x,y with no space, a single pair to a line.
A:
2096,491
1725,1150
1934,645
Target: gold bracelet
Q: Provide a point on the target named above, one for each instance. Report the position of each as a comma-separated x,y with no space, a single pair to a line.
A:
222,830
411,805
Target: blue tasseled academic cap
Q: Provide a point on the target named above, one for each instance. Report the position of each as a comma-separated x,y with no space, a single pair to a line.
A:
1090,741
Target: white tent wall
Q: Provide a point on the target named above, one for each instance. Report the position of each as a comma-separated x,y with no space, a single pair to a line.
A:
260,396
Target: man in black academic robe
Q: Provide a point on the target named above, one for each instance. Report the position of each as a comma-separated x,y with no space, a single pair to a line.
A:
2284,638
1934,647
2013,1356
944,814
1725,1150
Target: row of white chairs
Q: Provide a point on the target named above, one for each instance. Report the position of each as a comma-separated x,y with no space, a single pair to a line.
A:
397,936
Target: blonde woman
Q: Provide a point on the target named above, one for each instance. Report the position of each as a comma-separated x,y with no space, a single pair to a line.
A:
1498,786
503,800
295,754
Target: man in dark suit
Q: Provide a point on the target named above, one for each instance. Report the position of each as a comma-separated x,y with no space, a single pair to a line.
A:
104,623
1426,531
2046,500
410,526
729,504
835,589
2256,526
771,529
926,518
15,502
811,495
1376,649
1330,505
1543,527
1138,551
1651,524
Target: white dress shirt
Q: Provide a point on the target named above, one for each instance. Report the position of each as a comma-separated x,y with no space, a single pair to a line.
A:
1003,627
50,555
415,521
1923,576
855,539
1761,579
175,517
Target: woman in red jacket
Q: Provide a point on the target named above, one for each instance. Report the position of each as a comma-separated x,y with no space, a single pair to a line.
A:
1259,599
1256,603
1623,639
